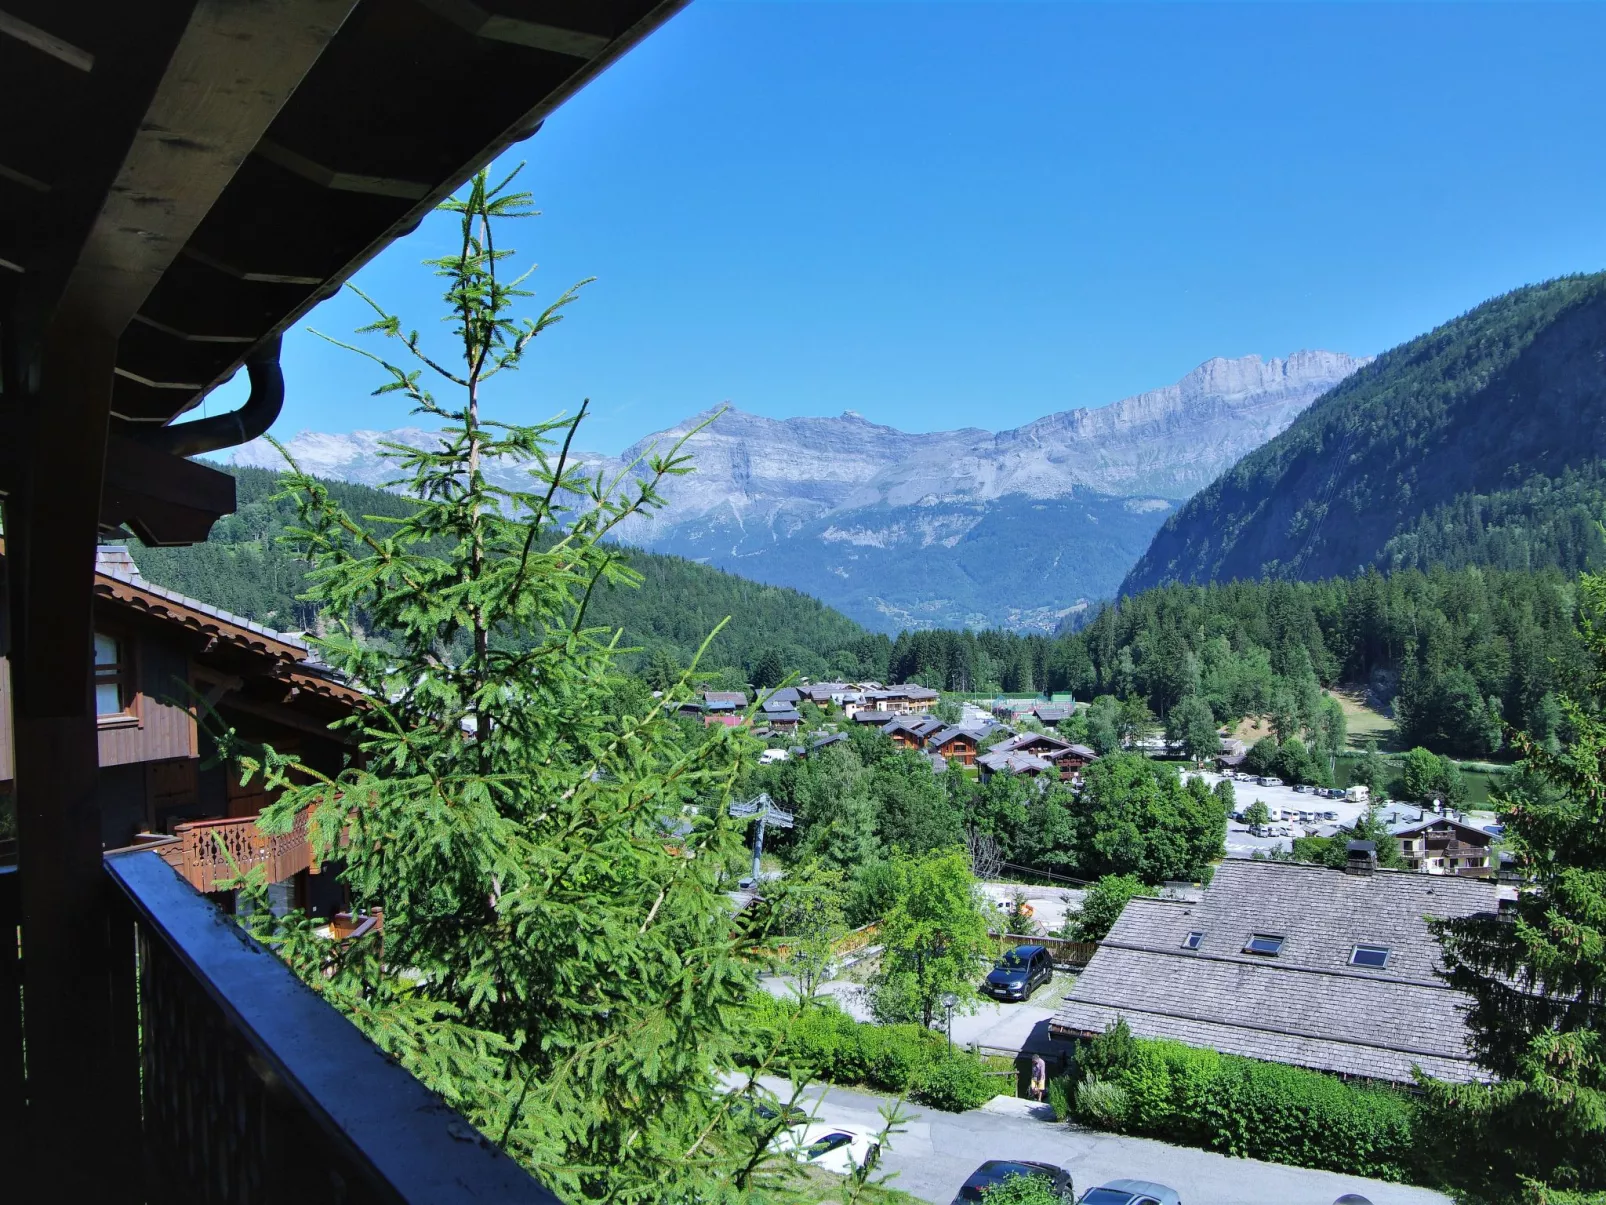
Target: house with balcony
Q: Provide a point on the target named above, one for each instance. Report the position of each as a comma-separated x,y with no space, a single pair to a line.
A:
169,671
180,182
1442,845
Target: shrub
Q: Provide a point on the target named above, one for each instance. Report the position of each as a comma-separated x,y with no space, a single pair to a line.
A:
824,1041
1101,1104
1243,1107
1060,1089
1022,1190
955,1083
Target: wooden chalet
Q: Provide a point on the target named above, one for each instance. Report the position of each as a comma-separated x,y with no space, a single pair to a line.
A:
161,661
954,745
180,182
1441,845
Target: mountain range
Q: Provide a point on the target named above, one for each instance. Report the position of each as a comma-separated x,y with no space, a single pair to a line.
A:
972,528
1482,442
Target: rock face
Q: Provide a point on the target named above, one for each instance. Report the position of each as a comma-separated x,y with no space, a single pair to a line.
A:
901,529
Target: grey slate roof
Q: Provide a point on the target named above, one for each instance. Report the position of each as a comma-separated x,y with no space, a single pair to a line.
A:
790,695
1027,738
774,705
877,718
941,738
1306,1006
1010,761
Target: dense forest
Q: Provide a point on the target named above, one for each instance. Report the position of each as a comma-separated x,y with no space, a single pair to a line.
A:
243,568
1479,442
1458,655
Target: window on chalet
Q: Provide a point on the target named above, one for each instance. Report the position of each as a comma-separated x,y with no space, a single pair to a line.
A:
1191,942
1264,943
1369,956
114,694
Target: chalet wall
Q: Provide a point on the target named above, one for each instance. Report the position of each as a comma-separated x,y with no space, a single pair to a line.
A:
165,729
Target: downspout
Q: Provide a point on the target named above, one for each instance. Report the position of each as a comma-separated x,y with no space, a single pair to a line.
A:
202,435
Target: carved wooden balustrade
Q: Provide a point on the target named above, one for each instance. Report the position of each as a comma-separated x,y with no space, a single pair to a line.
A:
205,848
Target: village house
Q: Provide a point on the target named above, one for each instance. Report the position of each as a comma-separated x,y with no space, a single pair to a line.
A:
870,716
1333,970
1039,744
1441,845
912,734
902,700
161,660
1006,761
954,745
1051,715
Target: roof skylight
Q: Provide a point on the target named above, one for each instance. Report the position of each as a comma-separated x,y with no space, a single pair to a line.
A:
1264,943
1369,956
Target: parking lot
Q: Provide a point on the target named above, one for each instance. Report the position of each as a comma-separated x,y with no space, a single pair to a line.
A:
1241,843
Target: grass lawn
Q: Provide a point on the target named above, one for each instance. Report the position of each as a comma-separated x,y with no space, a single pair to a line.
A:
1364,721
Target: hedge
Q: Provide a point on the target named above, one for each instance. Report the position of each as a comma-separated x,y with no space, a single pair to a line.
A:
1244,1107
905,1059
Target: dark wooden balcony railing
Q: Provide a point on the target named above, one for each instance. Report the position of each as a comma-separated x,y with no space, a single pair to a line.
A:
243,1086
205,848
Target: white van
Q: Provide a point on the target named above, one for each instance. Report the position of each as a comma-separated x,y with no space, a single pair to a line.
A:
1358,794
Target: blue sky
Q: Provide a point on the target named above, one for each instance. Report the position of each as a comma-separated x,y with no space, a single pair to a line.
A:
945,214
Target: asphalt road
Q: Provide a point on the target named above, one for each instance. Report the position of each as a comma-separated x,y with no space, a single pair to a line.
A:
937,1151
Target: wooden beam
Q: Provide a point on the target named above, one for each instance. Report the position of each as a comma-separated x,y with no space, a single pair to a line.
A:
495,27
307,169
234,68
46,43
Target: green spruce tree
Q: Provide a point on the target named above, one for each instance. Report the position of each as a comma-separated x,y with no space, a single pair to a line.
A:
554,963
1537,975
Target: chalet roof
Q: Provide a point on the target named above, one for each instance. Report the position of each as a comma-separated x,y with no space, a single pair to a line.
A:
773,705
1306,1005
948,734
1009,761
868,716
783,717
786,694
1430,821
1082,751
117,578
725,698
1021,740
829,739
1051,715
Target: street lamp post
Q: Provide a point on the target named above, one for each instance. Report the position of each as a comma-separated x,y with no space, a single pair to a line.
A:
949,1000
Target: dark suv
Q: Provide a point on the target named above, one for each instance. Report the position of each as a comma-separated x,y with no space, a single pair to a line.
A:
1019,973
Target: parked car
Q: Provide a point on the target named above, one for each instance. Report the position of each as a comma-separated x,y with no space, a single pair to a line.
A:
1019,973
1131,1192
1267,780
760,1114
839,1149
995,1171
1302,787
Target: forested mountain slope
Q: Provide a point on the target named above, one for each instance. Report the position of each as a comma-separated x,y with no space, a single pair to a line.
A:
1479,442
244,569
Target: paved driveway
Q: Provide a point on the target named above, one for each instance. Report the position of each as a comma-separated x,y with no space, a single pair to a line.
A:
939,1150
